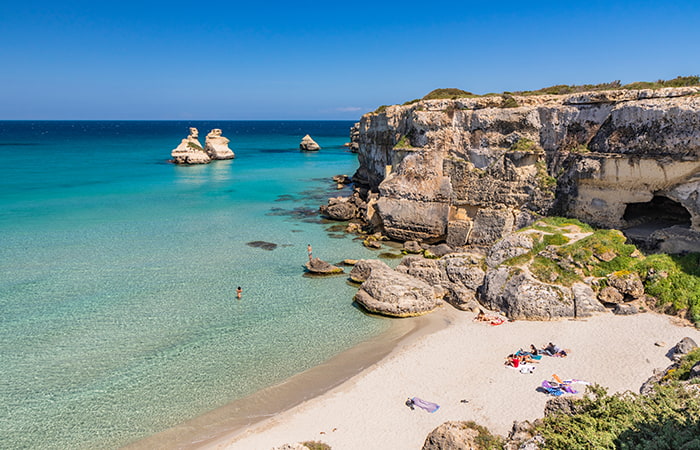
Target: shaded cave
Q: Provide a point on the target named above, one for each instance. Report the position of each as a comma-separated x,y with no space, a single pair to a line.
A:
660,212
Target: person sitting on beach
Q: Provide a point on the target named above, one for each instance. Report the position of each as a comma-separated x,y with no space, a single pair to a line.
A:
551,349
533,350
482,317
554,350
513,360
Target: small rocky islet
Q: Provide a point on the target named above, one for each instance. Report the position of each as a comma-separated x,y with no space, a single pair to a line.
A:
190,150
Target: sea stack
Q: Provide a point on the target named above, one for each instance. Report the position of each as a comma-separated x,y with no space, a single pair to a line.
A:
309,145
217,145
190,151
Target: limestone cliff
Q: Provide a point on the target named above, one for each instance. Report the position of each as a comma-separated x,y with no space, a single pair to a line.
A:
470,170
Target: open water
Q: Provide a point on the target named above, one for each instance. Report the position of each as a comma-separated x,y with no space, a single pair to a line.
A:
118,272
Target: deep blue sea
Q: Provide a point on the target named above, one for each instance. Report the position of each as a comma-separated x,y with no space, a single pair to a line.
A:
118,274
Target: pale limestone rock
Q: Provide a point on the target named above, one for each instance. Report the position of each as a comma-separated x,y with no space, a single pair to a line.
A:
455,175
320,267
308,145
391,293
190,151
217,145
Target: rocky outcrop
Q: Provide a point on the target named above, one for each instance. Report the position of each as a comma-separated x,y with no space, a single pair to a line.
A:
190,151
308,145
363,268
217,146
320,267
469,171
457,435
395,294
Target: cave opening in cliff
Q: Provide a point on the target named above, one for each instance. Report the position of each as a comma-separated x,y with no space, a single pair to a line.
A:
660,212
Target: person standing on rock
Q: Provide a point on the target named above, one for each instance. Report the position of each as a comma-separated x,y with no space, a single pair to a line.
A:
308,249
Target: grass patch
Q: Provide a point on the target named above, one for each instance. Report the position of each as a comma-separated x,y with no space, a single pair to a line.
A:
525,145
666,419
581,148
404,143
484,440
674,280
195,146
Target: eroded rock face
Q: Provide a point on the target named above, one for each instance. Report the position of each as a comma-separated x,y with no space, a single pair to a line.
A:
395,294
459,170
519,295
217,145
190,151
308,145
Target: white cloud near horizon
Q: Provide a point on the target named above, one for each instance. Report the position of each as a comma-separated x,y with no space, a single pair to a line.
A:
348,109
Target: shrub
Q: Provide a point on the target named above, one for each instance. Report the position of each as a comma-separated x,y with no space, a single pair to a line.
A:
674,280
447,93
381,109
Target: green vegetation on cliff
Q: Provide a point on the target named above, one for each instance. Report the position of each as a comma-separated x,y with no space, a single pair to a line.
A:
672,280
561,89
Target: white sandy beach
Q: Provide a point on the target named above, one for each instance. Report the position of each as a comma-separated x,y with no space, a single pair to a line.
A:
465,361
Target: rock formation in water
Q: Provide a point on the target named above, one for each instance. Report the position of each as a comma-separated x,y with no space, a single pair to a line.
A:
217,145
468,171
308,145
190,151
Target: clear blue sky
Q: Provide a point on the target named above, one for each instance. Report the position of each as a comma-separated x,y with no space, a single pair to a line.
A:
320,60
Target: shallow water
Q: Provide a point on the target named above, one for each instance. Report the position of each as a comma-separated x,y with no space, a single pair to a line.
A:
118,274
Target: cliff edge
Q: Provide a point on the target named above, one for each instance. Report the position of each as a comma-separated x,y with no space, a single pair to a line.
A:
470,170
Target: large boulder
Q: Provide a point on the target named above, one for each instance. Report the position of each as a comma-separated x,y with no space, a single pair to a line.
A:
190,151
339,208
364,267
321,267
512,245
217,145
627,283
464,269
457,436
519,295
308,145
395,294
429,270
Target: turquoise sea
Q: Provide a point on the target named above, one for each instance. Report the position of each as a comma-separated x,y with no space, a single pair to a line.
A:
118,274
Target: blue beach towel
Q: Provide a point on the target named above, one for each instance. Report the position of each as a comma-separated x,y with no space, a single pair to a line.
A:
428,406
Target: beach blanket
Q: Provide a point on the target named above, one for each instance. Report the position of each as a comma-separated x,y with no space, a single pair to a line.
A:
426,405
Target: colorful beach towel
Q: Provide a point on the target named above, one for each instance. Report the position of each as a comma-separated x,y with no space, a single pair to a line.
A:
426,405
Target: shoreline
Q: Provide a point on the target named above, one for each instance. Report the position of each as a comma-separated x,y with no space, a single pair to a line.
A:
464,360
220,425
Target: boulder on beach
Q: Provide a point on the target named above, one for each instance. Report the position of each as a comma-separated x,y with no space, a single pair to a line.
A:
308,145
321,267
190,150
395,294
217,145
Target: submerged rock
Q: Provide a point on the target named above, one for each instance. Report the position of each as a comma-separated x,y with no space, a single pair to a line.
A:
308,145
262,244
190,151
217,145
